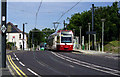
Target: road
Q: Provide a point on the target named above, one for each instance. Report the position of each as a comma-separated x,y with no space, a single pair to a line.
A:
67,64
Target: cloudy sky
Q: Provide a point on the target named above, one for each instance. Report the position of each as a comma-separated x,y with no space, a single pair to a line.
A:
22,12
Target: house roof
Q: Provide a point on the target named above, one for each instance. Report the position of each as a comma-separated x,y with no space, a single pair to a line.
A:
12,28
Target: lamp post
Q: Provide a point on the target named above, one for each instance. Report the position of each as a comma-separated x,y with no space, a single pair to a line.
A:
103,20
23,34
80,36
89,35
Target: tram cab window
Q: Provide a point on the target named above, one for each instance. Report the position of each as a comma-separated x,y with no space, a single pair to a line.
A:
67,38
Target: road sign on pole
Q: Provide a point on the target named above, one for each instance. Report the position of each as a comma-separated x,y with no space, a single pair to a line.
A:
3,29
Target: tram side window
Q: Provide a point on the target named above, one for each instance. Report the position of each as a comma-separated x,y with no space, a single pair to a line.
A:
19,36
58,39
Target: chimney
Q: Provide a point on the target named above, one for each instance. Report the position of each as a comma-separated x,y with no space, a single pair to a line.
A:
16,26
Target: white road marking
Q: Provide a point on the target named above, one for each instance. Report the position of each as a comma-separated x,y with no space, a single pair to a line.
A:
21,63
14,54
88,65
115,58
33,72
92,64
17,59
71,65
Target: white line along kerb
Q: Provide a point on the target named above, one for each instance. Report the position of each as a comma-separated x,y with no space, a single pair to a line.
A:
85,64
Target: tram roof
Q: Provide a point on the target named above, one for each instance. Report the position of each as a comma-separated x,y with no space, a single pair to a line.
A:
63,30
60,31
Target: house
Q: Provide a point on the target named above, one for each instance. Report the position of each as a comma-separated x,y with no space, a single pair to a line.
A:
15,36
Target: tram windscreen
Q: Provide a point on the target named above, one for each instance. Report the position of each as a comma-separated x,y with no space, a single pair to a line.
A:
66,38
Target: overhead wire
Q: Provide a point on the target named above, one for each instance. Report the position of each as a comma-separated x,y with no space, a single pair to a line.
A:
68,10
37,13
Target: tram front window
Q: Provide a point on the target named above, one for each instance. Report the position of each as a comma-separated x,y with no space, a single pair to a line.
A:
66,40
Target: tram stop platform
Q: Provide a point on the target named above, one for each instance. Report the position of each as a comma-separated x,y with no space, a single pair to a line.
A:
89,51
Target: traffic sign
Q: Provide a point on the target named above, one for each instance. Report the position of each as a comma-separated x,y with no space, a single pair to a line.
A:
3,29
92,32
3,18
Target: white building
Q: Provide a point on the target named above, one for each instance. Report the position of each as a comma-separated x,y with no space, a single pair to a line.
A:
15,35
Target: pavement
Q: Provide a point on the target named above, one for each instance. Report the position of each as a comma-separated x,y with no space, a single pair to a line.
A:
5,72
89,51
93,52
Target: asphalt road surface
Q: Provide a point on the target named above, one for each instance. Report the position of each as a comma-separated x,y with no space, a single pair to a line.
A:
63,64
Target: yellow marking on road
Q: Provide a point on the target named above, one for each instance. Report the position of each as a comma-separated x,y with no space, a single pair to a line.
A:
17,67
10,52
13,66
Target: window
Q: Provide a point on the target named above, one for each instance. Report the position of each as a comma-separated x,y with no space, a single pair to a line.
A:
66,38
19,36
58,39
20,43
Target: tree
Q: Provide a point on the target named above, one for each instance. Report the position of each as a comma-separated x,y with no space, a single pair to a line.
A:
38,37
47,32
111,24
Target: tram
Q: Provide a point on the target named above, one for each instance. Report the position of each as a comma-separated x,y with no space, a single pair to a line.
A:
61,40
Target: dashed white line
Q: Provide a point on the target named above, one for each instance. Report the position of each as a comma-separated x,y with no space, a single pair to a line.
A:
14,54
17,59
21,63
33,72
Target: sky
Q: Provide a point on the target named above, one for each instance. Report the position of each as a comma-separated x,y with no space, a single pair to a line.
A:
25,12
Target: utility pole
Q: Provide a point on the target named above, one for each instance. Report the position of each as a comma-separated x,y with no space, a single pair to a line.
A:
3,31
23,34
32,41
103,20
56,26
92,26
64,25
95,42
80,36
89,34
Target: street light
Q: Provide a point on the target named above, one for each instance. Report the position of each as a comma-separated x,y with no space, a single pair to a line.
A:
89,35
103,20
80,36
23,34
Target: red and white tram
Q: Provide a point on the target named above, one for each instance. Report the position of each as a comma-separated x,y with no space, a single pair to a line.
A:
61,40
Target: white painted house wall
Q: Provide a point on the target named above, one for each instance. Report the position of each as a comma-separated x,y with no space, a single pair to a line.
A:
19,41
